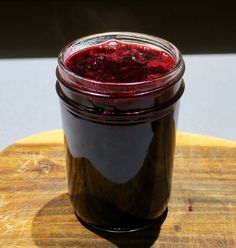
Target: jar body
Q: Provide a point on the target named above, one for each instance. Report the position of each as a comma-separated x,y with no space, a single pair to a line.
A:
119,176
119,163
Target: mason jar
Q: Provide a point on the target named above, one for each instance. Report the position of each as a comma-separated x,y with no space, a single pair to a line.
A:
119,137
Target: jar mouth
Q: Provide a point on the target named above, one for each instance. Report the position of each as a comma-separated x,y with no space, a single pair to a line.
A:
89,86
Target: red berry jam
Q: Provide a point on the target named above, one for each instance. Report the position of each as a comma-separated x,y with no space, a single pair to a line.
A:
119,104
116,62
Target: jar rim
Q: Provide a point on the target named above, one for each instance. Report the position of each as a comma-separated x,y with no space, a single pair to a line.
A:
95,87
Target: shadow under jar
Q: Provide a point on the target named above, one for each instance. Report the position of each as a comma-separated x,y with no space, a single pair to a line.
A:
119,96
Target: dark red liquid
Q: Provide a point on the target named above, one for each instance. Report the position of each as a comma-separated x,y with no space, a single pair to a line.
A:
119,174
119,62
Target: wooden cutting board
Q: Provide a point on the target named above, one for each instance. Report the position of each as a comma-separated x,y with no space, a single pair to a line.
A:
35,210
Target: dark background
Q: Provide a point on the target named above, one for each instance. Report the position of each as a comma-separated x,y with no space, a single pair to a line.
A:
42,28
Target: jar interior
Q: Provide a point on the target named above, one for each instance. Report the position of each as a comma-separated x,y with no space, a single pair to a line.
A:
91,86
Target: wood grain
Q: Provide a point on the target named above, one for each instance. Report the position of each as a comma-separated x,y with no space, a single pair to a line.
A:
35,210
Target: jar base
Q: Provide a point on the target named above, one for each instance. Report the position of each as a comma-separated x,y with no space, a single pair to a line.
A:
157,222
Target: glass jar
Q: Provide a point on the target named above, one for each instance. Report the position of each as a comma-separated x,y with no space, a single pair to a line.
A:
119,139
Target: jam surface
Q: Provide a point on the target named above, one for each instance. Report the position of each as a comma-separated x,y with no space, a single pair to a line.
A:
120,62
